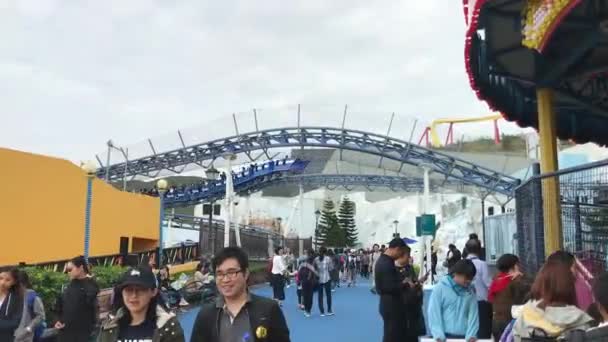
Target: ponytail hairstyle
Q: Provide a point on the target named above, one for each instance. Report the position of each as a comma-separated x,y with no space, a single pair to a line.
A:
81,261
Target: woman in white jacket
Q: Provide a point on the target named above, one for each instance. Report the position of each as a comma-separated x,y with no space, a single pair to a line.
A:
552,311
278,275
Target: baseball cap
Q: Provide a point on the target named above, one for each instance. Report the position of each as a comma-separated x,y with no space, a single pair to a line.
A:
397,243
140,276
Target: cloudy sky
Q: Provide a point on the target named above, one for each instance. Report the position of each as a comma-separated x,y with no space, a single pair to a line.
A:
74,74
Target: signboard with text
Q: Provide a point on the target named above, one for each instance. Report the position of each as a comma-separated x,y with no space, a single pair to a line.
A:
425,225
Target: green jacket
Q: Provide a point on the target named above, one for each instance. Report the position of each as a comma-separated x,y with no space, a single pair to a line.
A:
167,328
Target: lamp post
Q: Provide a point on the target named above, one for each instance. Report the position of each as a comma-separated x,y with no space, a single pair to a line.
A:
211,174
396,223
230,157
317,216
279,220
161,186
426,240
90,169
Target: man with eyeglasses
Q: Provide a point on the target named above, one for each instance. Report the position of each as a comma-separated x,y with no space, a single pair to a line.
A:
238,315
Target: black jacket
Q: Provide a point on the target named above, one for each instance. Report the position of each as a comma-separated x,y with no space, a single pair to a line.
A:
10,316
77,307
411,299
593,335
389,286
263,313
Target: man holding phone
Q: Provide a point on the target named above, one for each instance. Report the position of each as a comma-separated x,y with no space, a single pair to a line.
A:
411,298
390,287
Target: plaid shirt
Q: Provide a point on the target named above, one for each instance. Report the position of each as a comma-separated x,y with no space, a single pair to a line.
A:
323,268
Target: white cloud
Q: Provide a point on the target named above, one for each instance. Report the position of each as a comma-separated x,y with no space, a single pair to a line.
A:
74,74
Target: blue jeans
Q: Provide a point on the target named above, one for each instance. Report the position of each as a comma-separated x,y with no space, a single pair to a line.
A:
327,288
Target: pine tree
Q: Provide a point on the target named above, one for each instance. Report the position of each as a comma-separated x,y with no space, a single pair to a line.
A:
329,232
346,219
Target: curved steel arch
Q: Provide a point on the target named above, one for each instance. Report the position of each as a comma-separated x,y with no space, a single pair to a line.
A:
329,181
346,139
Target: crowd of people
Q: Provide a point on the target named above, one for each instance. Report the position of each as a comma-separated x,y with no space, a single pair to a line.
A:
141,309
471,304
319,272
468,303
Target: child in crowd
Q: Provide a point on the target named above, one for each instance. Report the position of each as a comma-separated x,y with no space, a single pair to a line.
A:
452,309
508,288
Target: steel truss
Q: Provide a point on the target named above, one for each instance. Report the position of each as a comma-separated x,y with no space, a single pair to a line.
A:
331,181
326,137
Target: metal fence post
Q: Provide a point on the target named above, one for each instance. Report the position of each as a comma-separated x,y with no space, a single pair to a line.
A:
539,225
578,227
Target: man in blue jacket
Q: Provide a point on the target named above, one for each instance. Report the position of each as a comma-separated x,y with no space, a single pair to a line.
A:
453,311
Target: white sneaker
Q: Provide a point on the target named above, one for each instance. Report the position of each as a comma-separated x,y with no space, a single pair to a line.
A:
330,313
306,314
322,315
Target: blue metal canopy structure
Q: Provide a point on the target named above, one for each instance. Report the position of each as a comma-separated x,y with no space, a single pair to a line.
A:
196,194
338,138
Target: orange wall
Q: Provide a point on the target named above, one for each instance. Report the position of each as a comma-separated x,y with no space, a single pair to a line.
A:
42,203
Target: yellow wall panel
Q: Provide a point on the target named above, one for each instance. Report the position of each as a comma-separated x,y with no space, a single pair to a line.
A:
42,206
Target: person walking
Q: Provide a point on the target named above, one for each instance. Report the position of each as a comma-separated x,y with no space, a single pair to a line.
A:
309,278
77,308
289,259
237,314
11,303
389,288
452,257
482,283
31,327
365,261
278,275
411,299
452,309
140,316
334,274
373,259
324,265
351,269
508,288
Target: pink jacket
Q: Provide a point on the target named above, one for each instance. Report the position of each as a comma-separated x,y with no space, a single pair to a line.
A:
584,293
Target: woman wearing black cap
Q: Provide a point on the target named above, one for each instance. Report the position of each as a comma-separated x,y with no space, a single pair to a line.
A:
140,317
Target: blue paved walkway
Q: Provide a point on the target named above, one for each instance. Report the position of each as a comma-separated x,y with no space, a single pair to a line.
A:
356,318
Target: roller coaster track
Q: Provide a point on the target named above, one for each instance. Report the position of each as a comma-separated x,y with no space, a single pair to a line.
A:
325,137
330,181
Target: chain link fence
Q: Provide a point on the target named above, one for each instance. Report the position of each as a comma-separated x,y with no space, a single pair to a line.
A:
584,215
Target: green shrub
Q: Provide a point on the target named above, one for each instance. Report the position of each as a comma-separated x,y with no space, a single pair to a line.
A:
107,276
48,285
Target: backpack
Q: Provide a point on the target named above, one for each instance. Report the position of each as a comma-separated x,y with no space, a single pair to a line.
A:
39,329
305,274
